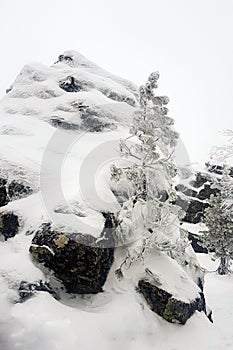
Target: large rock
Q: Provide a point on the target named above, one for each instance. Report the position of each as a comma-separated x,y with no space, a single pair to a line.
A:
206,192
194,209
77,260
168,307
185,190
17,190
9,225
12,190
200,179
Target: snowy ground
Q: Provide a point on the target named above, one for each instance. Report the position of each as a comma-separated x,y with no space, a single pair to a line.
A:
118,318
115,319
218,292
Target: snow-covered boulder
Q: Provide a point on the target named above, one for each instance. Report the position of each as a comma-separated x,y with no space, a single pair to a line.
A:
79,261
168,307
169,291
165,305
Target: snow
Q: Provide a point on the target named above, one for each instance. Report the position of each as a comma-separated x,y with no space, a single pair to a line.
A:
218,292
117,319
194,228
53,162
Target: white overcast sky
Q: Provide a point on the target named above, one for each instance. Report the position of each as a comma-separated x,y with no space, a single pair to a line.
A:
188,41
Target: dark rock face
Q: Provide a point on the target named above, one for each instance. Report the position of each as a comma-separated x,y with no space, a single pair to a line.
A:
13,190
194,202
199,181
91,120
70,84
218,169
185,190
3,196
107,238
206,192
194,209
9,89
9,225
166,306
82,265
195,212
18,190
117,97
65,59
59,122
27,290
195,242
94,124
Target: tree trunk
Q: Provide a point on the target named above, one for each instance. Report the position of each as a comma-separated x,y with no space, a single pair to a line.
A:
223,268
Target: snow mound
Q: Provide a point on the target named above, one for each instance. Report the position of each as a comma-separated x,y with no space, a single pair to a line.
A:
62,114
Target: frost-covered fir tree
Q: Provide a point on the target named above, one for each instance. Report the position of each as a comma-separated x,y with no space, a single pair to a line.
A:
219,221
147,218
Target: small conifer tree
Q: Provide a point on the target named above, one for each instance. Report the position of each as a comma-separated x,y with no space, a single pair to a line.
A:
148,215
219,221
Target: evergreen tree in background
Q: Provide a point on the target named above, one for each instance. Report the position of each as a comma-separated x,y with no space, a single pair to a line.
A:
220,154
219,221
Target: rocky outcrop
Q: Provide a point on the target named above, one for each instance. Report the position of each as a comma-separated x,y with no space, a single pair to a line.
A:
70,84
194,209
28,290
93,121
3,193
217,169
194,201
118,97
12,190
61,123
17,190
206,192
90,119
78,261
185,190
9,225
195,243
199,181
168,307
